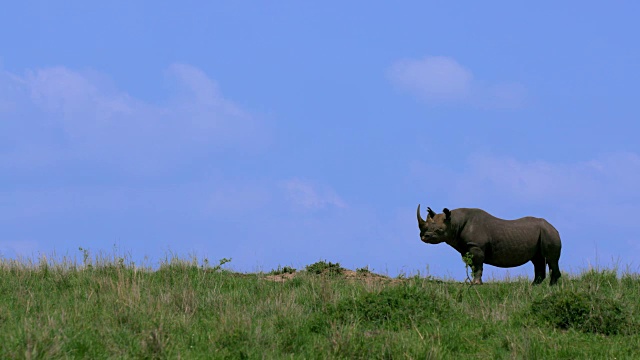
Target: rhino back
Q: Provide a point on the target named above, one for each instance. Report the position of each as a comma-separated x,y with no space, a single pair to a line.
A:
506,243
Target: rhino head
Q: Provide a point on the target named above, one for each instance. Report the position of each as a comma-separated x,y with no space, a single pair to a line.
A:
434,229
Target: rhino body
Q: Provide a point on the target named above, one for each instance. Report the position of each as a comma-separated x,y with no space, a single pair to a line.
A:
494,241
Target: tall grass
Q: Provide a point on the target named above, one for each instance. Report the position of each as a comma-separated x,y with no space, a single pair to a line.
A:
107,307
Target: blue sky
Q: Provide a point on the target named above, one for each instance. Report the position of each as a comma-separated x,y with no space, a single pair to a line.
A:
285,133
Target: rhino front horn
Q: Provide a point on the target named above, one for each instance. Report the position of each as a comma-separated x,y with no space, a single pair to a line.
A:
420,220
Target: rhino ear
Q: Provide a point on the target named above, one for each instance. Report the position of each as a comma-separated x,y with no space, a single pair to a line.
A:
447,214
431,212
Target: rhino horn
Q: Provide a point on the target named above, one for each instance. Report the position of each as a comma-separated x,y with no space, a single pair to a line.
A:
431,212
420,220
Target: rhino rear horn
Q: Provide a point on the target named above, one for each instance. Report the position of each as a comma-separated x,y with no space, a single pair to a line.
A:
431,212
447,213
420,220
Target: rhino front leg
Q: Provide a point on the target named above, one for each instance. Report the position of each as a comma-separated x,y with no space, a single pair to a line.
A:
477,261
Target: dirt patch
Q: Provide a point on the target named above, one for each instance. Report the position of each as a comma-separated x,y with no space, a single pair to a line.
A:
367,277
280,277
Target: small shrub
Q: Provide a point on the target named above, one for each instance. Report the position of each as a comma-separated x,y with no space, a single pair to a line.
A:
394,308
282,270
363,270
323,267
582,311
220,263
630,280
596,278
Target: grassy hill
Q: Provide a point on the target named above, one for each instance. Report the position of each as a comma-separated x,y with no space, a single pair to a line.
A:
111,309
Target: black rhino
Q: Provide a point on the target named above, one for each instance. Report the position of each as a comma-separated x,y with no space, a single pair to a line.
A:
494,241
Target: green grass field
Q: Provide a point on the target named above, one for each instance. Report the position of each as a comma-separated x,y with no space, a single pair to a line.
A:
108,308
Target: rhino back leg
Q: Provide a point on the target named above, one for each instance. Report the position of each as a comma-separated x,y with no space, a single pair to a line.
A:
552,247
539,266
555,271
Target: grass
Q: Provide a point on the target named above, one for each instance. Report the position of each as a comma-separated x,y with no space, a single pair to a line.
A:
109,308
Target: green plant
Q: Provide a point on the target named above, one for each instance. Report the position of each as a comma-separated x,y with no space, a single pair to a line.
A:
392,308
220,263
325,268
282,270
86,262
587,312
467,258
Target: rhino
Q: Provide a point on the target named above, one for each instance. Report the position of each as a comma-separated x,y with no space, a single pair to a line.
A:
494,241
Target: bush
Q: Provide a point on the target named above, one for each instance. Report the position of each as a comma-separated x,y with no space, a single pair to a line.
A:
599,278
323,267
583,312
393,308
282,270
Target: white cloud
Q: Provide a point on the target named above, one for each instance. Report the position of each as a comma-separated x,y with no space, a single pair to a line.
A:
441,79
200,99
59,89
306,195
608,178
70,116
433,77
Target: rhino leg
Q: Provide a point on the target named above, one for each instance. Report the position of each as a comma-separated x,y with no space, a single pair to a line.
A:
477,261
555,271
477,276
539,266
